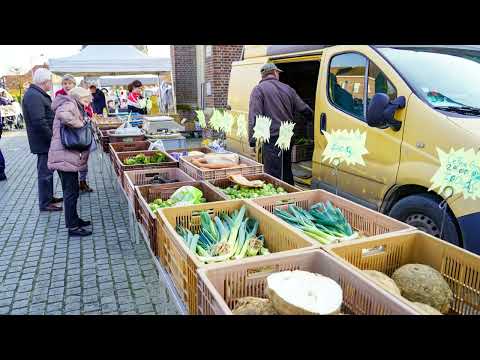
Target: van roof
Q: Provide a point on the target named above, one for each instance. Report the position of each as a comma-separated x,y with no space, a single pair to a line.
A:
272,50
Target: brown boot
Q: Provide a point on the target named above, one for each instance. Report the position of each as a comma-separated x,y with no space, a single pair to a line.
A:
84,187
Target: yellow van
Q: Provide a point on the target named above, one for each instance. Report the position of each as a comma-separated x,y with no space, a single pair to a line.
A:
441,93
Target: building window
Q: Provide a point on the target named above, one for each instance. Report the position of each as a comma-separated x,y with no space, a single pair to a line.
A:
208,50
208,88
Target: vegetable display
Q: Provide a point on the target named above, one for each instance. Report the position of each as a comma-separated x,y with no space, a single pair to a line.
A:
186,195
294,293
142,159
423,287
242,192
304,293
225,237
323,222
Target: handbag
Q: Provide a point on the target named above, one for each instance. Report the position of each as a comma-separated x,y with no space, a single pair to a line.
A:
79,139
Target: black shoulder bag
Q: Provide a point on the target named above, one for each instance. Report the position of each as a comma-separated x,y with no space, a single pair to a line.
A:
79,139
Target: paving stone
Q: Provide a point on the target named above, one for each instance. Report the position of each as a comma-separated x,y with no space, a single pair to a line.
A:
39,263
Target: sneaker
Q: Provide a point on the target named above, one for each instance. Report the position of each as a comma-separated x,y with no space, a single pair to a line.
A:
79,231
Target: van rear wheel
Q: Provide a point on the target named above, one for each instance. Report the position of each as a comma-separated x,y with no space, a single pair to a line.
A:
423,212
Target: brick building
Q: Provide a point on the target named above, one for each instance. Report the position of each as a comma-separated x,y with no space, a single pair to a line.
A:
201,73
16,84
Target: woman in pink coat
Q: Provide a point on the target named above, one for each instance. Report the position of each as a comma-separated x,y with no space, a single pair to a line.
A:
70,111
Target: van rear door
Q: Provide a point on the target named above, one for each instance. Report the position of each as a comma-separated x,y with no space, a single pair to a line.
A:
351,75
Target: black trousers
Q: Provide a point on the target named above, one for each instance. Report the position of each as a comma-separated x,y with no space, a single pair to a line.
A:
45,181
272,162
2,163
70,196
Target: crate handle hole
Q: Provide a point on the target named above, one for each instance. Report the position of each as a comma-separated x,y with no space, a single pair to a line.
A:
377,250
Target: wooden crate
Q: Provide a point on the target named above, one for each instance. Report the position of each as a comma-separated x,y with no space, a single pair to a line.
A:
120,167
220,286
245,168
386,253
224,183
366,221
145,194
182,264
147,177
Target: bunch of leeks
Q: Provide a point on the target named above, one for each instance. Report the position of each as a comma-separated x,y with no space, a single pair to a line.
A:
322,222
225,237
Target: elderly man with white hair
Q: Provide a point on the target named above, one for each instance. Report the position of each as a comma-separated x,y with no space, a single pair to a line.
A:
38,115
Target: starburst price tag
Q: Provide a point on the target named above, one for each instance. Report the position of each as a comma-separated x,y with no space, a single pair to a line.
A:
201,118
228,121
216,120
261,131
242,126
459,171
345,146
285,135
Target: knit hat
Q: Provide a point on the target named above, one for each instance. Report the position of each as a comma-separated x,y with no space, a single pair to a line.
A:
79,93
68,77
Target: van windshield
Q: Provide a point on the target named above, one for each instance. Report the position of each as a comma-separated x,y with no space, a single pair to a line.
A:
448,79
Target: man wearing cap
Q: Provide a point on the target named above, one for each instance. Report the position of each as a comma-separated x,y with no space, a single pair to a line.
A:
279,102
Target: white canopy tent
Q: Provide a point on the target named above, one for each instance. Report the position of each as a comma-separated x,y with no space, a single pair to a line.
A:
110,60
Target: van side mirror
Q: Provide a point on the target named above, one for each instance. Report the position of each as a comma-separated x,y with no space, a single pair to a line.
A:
381,112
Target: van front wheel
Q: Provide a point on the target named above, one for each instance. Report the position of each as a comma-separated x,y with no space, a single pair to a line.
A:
423,212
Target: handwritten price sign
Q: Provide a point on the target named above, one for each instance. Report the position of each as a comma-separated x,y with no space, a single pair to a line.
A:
345,146
460,171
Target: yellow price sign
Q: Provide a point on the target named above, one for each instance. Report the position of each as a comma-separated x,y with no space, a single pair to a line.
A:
345,146
261,131
285,135
201,118
460,171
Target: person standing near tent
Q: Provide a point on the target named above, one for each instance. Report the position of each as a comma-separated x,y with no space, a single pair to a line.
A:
68,83
37,110
136,102
99,103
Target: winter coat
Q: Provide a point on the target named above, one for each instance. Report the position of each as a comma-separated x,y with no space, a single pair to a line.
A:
88,108
38,115
99,102
276,100
67,112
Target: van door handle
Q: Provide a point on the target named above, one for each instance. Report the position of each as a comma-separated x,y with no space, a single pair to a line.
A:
323,123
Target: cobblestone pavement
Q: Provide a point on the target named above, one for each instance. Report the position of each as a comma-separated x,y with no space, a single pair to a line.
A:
42,271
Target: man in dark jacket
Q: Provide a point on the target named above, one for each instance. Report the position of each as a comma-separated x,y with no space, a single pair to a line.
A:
38,115
279,102
98,102
3,177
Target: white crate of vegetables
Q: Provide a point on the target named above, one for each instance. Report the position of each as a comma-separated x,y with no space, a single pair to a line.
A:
233,231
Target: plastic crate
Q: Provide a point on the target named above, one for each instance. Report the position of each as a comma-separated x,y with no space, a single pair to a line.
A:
246,167
302,152
124,138
366,221
147,218
460,268
104,140
124,147
219,287
203,149
182,264
120,167
224,183
147,177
